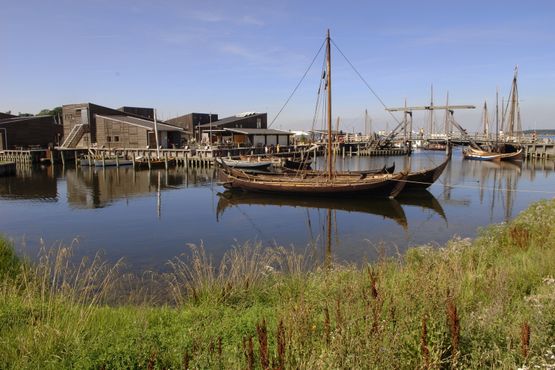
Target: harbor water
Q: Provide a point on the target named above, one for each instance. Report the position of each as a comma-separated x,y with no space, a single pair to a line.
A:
149,217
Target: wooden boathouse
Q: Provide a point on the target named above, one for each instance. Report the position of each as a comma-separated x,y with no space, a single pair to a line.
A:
89,125
31,132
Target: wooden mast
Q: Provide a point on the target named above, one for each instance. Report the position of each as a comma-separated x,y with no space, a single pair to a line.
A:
513,108
485,120
328,65
496,117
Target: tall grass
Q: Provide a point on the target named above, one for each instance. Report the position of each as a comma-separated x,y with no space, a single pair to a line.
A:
483,303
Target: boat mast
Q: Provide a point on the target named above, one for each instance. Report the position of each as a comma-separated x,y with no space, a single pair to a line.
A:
485,120
432,110
496,116
513,109
328,65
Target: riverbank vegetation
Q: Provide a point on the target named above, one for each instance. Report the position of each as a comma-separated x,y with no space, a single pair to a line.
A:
489,302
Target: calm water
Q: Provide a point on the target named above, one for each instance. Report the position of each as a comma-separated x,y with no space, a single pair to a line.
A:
150,217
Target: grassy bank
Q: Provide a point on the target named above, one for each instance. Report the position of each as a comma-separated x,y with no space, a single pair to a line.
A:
489,302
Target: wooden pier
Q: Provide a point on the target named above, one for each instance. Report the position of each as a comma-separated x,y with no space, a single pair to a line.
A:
22,156
539,150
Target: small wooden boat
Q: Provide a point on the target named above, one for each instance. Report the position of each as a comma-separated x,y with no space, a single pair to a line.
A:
426,177
297,163
435,146
246,164
482,155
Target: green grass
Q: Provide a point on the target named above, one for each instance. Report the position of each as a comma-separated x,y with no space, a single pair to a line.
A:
485,303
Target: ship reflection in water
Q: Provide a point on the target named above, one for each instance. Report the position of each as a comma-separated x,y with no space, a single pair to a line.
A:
149,217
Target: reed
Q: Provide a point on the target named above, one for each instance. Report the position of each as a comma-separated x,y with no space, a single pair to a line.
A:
424,344
525,339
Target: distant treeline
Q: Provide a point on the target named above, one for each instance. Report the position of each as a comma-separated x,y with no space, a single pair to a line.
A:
539,132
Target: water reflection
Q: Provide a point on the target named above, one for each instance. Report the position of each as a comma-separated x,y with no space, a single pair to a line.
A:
91,187
30,183
386,208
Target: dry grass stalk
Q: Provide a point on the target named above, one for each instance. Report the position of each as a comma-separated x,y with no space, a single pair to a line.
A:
220,357
262,332
424,344
281,346
525,339
520,236
186,360
327,326
248,350
454,325
338,316
151,361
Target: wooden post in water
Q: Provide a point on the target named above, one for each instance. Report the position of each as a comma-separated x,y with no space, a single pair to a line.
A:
63,159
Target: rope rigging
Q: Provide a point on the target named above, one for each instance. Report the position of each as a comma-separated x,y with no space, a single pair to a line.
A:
298,84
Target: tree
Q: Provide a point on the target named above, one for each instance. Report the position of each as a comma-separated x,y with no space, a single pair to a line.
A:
50,112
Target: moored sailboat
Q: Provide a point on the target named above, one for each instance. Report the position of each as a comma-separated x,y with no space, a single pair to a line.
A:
319,182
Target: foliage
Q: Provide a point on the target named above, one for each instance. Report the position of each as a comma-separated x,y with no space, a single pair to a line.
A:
486,303
50,112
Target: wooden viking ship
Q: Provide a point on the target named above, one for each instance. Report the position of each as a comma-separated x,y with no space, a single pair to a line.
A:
320,182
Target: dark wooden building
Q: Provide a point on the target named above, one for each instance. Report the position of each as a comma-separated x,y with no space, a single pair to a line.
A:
6,115
255,136
147,113
191,121
129,127
29,132
133,132
242,120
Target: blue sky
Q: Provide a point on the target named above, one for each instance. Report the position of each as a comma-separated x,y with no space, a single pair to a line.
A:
228,57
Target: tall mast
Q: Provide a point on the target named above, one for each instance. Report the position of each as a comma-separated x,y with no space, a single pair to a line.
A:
328,65
496,116
406,123
485,120
432,110
365,122
447,115
514,103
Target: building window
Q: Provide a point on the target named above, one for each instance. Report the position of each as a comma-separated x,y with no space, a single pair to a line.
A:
258,123
109,139
116,138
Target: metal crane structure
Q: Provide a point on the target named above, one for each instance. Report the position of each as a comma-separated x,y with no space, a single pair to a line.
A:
408,120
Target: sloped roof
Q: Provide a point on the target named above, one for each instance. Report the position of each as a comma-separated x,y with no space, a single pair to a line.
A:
149,125
258,131
231,119
25,119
